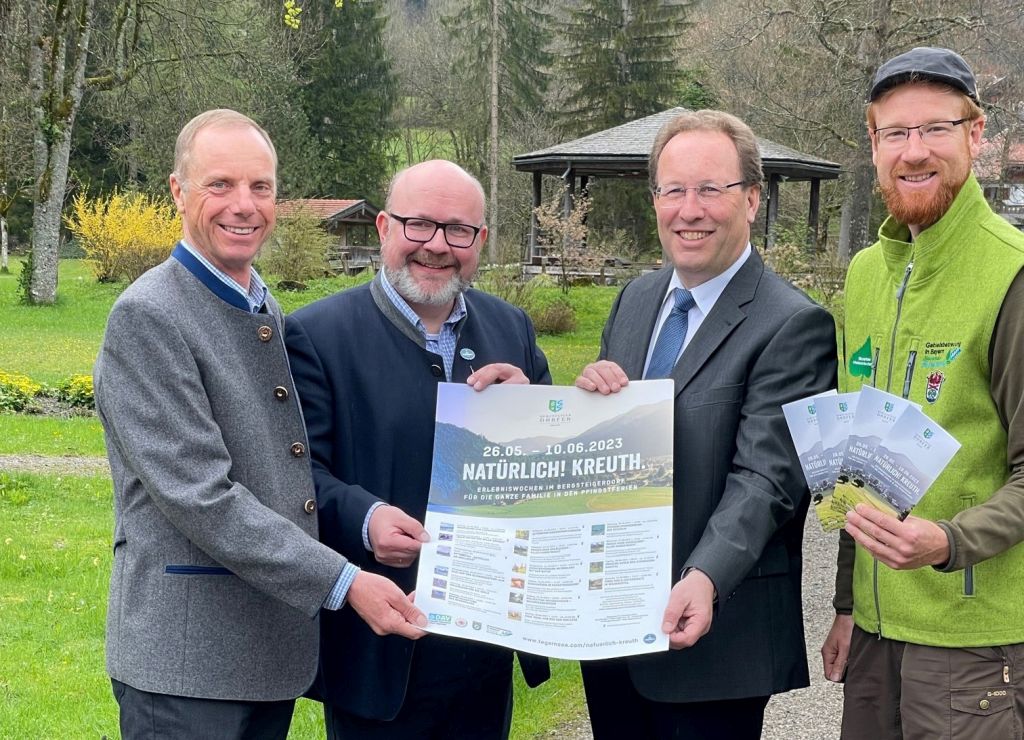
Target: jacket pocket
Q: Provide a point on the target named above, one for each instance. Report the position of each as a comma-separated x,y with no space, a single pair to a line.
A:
721,394
196,570
967,502
981,713
774,561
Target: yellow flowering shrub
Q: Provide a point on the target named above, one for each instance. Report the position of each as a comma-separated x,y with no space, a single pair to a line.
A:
124,234
76,391
17,392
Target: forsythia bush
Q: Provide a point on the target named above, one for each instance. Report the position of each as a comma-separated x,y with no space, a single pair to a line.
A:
124,234
17,392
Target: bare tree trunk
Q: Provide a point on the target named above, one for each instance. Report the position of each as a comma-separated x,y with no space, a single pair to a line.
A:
3,245
492,243
855,224
56,96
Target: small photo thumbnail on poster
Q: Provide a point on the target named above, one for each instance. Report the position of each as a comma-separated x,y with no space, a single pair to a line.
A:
596,530
441,570
597,566
522,534
440,583
519,568
596,584
437,594
521,550
596,547
447,526
515,616
444,550
446,536
517,582
515,597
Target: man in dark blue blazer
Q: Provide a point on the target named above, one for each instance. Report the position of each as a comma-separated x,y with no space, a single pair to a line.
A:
366,363
739,342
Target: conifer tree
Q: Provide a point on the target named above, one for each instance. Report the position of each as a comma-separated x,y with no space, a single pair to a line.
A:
348,98
621,62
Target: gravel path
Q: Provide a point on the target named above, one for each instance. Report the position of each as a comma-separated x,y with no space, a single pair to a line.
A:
808,714
54,465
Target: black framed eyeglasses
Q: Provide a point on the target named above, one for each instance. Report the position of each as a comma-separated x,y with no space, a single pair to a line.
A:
707,193
422,230
931,133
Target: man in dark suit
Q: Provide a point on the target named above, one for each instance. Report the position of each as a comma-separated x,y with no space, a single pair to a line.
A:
367,362
739,342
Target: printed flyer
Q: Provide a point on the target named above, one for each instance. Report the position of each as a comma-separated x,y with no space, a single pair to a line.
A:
877,411
835,415
905,463
802,419
550,519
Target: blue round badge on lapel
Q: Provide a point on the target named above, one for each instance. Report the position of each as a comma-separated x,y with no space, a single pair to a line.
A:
467,354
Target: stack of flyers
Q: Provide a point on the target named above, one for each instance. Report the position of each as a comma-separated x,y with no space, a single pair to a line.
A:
835,415
872,447
803,419
894,454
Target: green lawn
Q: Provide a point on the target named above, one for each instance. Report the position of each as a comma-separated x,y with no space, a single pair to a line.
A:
45,435
51,343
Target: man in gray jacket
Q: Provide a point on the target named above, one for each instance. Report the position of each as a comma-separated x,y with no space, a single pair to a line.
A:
218,576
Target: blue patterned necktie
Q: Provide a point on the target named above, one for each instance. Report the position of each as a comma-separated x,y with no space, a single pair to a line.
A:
671,336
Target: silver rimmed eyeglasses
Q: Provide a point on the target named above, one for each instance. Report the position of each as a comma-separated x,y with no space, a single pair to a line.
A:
707,193
935,132
422,230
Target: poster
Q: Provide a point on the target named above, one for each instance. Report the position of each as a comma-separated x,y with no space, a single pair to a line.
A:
550,519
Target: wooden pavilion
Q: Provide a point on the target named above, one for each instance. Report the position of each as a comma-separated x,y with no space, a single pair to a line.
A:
623,151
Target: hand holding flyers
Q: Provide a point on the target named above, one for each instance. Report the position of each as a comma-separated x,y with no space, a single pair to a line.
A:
891,452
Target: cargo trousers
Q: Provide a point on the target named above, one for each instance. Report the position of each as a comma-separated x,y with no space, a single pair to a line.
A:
903,691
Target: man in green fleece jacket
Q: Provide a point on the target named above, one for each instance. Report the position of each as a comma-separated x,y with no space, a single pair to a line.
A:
929,625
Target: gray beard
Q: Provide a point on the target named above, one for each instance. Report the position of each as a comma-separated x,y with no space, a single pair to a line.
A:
403,282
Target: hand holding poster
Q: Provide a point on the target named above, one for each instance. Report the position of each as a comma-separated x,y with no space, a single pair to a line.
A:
550,515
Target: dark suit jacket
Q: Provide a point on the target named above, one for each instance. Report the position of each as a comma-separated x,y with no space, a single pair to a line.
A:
368,389
740,495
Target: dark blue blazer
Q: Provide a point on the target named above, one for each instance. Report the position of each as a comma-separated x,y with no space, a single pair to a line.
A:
368,392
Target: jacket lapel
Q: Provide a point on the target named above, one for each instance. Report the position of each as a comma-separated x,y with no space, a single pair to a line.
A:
728,313
641,325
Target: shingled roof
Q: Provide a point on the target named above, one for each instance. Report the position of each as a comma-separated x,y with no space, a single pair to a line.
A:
623,150
328,209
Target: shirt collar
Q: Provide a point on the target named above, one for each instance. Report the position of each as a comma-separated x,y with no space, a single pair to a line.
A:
707,293
254,298
457,314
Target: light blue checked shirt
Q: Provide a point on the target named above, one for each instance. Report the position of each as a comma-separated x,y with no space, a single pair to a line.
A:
256,296
442,343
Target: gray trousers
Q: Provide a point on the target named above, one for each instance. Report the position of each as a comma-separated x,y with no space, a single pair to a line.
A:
147,716
901,691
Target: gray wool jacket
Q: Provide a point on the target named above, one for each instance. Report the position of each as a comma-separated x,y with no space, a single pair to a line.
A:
218,576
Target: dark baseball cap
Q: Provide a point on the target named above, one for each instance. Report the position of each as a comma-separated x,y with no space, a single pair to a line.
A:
926,63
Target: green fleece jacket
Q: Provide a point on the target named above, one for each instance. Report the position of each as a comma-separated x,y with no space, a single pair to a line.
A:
920,322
